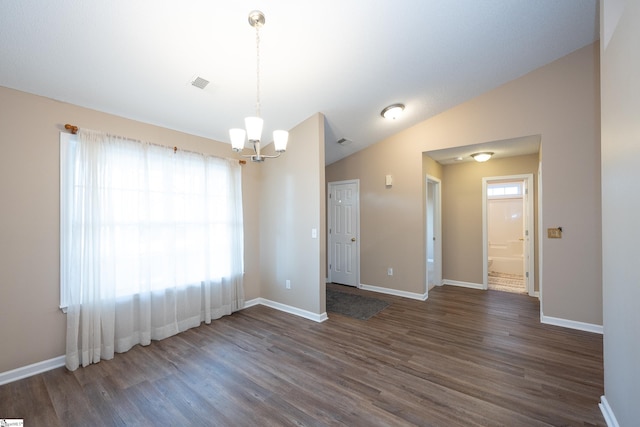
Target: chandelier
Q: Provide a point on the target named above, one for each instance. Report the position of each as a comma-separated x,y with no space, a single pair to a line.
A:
254,124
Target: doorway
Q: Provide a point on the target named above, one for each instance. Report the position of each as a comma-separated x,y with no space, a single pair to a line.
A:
344,232
433,234
508,244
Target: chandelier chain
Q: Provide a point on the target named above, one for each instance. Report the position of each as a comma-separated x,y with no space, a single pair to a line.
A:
257,70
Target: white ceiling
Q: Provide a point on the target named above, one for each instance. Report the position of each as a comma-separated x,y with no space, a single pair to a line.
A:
347,59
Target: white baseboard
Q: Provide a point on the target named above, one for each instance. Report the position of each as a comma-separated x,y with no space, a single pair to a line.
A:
287,309
571,324
396,292
251,302
463,284
29,370
607,413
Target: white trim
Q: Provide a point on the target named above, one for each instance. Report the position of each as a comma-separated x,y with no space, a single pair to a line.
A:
485,236
530,239
463,284
251,303
540,239
30,370
607,413
287,309
396,292
571,324
437,232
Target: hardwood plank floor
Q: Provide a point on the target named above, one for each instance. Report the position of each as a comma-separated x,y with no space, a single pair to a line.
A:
464,357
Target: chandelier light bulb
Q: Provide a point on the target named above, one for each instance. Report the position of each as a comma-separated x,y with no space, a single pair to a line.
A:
237,138
254,128
280,139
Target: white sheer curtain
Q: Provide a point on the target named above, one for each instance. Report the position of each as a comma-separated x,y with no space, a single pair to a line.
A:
151,243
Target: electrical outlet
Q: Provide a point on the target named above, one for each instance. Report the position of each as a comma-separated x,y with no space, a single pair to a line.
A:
288,284
389,271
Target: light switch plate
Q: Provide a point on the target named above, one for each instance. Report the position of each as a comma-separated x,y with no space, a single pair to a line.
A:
554,233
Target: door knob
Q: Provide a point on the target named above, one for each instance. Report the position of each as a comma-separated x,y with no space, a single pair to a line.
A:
353,239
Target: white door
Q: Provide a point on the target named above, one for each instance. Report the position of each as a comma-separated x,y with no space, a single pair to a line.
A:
434,242
343,232
526,238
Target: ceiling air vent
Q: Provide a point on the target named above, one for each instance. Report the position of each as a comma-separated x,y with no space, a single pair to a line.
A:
200,82
344,141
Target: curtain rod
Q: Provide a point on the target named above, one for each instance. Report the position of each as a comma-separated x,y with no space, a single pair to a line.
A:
74,130
71,128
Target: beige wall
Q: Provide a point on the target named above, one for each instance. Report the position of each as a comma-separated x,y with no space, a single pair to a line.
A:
620,207
391,218
462,254
431,167
292,202
560,102
32,327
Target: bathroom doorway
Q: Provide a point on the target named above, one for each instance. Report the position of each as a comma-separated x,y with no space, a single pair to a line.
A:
508,233
434,233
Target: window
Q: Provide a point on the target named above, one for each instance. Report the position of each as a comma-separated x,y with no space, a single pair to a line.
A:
147,218
504,190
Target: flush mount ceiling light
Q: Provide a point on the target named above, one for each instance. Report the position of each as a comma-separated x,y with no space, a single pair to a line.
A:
392,111
253,125
482,157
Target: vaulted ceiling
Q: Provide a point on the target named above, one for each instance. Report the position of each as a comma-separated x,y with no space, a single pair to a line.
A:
345,59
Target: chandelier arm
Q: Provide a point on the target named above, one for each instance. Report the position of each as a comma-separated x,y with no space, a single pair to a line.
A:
274,156
262,157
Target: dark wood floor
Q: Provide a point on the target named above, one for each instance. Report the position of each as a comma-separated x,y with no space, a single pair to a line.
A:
462,358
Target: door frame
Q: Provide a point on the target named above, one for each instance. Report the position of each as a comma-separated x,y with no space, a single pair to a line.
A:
437,232
529,225
540,239
330,187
